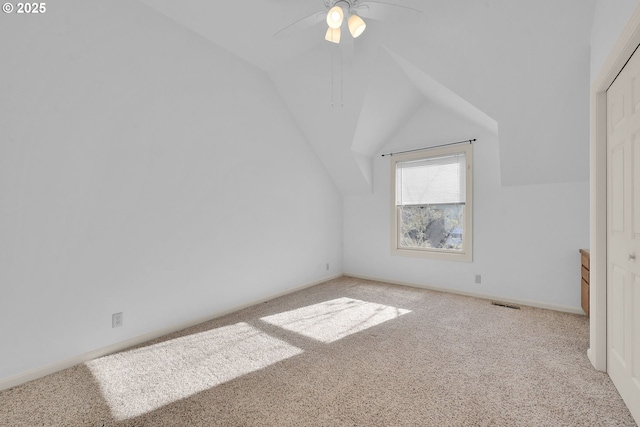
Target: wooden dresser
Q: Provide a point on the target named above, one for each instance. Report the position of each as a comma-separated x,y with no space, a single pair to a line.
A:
585,261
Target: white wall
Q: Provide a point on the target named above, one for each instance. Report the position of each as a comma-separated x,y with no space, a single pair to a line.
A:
531,190
526,238
143,170
610,18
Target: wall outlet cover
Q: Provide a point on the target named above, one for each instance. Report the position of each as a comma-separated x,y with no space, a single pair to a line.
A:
116,320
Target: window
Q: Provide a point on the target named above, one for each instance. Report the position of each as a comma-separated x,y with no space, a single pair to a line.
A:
431,203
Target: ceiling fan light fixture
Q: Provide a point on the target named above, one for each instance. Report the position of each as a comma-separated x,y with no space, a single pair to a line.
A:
333,35
356,25
335,17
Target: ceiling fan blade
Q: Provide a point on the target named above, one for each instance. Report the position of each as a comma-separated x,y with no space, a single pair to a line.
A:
382,11
300,24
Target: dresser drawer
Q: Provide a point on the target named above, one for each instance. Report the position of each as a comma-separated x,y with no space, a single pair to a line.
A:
585,274
585,260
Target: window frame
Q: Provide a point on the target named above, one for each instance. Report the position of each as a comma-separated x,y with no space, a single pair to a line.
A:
466,254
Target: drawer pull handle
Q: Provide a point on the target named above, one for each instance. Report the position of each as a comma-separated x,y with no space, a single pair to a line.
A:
632,257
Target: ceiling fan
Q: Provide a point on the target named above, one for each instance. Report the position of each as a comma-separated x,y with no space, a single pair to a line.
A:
353,10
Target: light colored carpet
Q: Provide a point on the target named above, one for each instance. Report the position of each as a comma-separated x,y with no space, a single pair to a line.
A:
347,352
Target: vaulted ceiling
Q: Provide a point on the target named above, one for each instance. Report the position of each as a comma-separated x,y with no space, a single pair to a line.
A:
519,69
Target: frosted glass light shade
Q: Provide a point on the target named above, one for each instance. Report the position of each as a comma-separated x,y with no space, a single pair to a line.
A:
333,35
335,17
356,25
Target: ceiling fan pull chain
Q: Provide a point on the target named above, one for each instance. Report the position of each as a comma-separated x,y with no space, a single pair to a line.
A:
341,81
332,72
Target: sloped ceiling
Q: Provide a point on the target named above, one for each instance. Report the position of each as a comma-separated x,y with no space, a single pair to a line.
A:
517,68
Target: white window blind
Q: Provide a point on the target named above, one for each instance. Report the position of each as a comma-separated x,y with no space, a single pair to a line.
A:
437,180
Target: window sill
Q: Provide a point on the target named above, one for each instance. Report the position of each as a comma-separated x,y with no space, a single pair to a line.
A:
437,255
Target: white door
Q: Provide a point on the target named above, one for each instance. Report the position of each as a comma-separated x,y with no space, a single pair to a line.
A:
623,234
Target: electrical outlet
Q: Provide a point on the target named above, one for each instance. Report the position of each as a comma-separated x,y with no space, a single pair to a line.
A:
478,278
327,266
116,320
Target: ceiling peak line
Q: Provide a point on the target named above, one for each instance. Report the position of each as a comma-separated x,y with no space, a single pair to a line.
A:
466,141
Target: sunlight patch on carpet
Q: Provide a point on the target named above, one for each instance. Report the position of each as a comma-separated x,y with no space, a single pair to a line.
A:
332,320
138,381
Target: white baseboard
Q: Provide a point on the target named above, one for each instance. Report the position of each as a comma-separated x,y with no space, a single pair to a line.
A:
537,304
15,380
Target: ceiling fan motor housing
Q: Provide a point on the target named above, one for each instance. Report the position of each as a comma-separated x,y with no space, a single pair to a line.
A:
344,3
